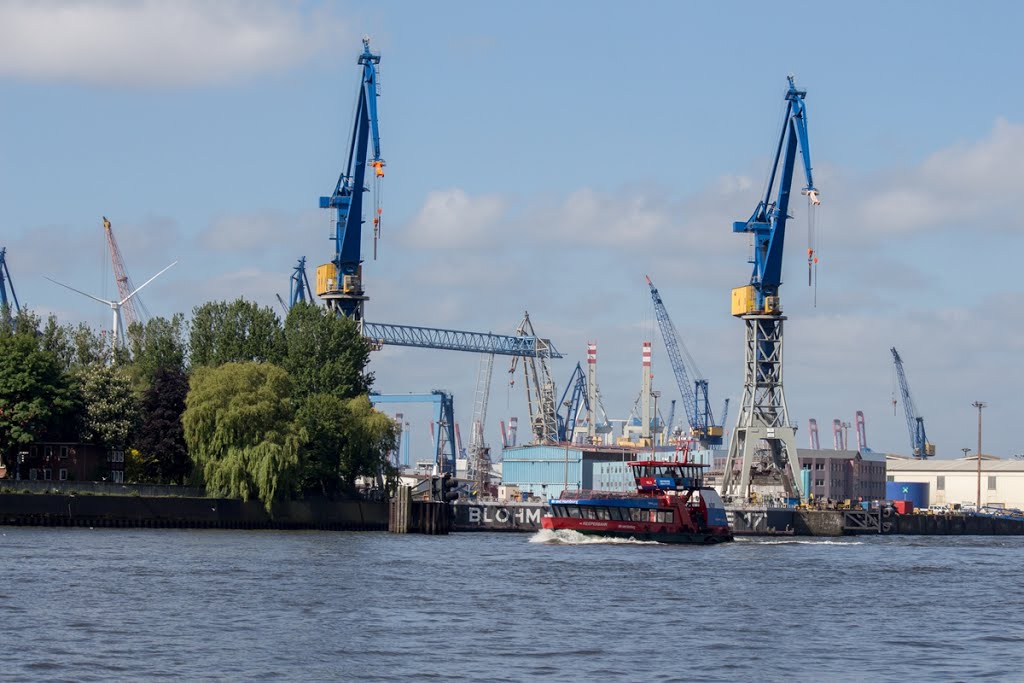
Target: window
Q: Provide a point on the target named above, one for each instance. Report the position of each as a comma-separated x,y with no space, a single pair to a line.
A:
819,482
574,512
47,474
63,474
940,483
33,474
63,452
602,513
117,476
890,477
991,483
819,465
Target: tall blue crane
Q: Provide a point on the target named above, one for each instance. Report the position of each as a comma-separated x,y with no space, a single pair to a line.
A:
339,282
919,444
298,286
764,417
695,399
7,283
574,396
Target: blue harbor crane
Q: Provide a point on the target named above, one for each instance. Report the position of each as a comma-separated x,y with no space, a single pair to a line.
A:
340,282
763,416
9,306
919,444
573,398
298,286
695,399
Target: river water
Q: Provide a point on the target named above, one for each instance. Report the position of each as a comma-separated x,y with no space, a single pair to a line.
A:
113,604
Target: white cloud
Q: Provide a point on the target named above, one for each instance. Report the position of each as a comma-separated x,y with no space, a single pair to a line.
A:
153,43
964,184
452,219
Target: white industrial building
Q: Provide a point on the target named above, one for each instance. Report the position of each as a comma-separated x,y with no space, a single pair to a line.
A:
956,481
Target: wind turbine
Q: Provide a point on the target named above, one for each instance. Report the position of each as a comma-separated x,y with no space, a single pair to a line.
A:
115,306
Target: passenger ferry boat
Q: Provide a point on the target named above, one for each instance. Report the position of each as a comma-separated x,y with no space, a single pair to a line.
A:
670,505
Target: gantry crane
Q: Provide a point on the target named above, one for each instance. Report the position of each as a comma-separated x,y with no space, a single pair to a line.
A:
9,305
763,424
695,399
340,282
919,444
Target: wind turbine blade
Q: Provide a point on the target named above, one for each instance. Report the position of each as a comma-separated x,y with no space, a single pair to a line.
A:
137,289
94,298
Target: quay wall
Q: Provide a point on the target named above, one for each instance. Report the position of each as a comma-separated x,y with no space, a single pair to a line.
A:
188,513
497,516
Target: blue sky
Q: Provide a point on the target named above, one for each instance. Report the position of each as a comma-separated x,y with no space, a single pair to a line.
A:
545,157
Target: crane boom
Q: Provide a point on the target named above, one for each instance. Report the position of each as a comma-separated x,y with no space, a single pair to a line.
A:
125,287
7,283
340,282
695,400
919,444
768,222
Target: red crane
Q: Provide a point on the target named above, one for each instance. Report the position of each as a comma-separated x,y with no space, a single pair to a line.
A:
124,284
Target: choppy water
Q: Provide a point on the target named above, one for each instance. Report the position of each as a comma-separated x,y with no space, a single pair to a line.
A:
80,604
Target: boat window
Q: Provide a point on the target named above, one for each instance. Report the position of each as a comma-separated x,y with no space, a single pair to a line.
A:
602,513
615,513
670,516
588,513
573,511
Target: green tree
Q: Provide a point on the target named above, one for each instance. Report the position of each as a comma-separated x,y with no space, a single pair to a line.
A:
161,438
110,409
239,430
325,353
345,439
35,397
233,333
159,344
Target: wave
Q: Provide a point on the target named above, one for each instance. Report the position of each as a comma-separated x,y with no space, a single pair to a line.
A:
791,541
570,537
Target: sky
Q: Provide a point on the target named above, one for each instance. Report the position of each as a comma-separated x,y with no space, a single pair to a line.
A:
545,157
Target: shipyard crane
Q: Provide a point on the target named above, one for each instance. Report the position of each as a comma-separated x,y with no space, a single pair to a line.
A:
479,455
9,306
573,399
919,444
540,388
298,284
862,432
132,305
763,425
812,431
340,282
695,400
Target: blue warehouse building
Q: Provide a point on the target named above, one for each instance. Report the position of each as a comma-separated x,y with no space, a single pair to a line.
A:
545,471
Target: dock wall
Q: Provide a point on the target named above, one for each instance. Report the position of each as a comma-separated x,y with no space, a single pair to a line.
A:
188,513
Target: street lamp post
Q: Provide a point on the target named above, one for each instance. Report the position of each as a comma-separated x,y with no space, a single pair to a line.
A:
979,405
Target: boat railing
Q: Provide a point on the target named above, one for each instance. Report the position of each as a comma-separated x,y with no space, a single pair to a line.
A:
581,494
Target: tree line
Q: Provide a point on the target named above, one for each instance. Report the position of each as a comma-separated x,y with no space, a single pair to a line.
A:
235,400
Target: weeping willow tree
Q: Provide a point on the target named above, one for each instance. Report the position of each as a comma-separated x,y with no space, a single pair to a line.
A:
240,430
